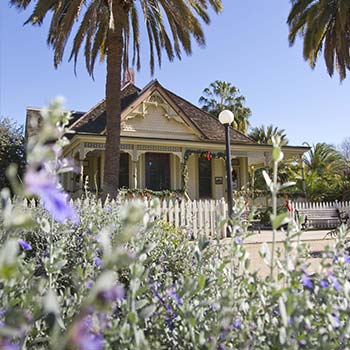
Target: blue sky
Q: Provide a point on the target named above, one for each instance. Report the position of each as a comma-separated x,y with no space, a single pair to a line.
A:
246,45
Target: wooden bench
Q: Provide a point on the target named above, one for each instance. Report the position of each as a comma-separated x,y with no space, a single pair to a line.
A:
255,223
320,218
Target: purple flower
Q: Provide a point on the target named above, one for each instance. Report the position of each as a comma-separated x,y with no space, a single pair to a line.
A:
85,336
6,344
89,284
171,292
324,283
214,307
158,296
98,262
237,324
191,235
336,322
302,342
347,258
54,200
24,245
335,283
238,240
117,292
306,281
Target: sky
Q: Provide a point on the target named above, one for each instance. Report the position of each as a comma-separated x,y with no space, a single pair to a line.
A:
246,45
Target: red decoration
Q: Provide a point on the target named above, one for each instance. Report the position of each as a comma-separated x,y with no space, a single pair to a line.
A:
209,155
234,174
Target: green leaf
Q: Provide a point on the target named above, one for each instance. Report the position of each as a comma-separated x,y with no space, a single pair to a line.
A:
267,178
132,317
201,281
147,311
287,184
280,220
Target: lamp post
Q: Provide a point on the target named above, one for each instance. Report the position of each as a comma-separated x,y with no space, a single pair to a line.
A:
226,118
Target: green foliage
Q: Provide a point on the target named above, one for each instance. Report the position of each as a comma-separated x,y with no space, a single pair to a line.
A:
326,178
121,278
222,95
324,26
264,134
11,148
97,19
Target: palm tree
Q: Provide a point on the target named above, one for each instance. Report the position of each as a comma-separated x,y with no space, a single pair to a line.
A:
105,30
264,134
323,158
222,95
324,173
325,25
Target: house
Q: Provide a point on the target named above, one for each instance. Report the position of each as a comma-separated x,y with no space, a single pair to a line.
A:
167,143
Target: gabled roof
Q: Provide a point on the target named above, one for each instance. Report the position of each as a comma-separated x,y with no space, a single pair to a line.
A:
94,121
209,128
34,120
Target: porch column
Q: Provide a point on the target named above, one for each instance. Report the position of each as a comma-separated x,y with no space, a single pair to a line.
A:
81,174
102,170
134,174
302,164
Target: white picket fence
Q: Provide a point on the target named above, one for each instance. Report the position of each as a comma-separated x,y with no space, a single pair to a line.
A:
200,217
321,215
342,206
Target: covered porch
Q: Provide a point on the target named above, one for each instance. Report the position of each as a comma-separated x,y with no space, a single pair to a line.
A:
195,169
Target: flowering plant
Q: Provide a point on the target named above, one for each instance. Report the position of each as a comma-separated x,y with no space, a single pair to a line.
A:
92,275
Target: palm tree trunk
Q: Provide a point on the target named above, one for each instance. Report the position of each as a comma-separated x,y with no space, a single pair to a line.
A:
113,105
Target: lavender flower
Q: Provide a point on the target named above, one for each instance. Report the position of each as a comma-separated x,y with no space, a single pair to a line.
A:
6,344
238,240
335,321
346,258
171,292
324,283
85,336
237,324
117,292
24,245
306,281
2,315
89,284
98,262
54,200
335,283
275,312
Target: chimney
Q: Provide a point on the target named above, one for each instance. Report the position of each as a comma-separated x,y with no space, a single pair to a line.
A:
129,76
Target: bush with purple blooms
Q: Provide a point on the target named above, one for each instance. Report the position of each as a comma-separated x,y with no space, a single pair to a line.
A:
93,275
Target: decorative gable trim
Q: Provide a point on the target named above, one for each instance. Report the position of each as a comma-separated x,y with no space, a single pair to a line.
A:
154,95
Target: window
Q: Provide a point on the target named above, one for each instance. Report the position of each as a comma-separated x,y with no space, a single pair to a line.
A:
157,171
124,170
204,178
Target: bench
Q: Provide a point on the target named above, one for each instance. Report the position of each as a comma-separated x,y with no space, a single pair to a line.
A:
255,223
320,218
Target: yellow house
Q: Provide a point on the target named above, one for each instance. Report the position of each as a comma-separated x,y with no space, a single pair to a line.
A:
167,143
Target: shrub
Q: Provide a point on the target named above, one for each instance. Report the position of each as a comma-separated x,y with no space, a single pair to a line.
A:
92,275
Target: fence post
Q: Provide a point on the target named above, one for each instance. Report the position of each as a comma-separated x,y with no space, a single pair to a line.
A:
194,219
223,217
177,212
171,212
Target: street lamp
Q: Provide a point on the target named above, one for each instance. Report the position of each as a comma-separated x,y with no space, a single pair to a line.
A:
226,118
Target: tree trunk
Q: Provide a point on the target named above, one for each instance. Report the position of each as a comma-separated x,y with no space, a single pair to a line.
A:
113,104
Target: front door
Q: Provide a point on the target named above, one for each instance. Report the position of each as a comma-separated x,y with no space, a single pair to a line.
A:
157,171
204,178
